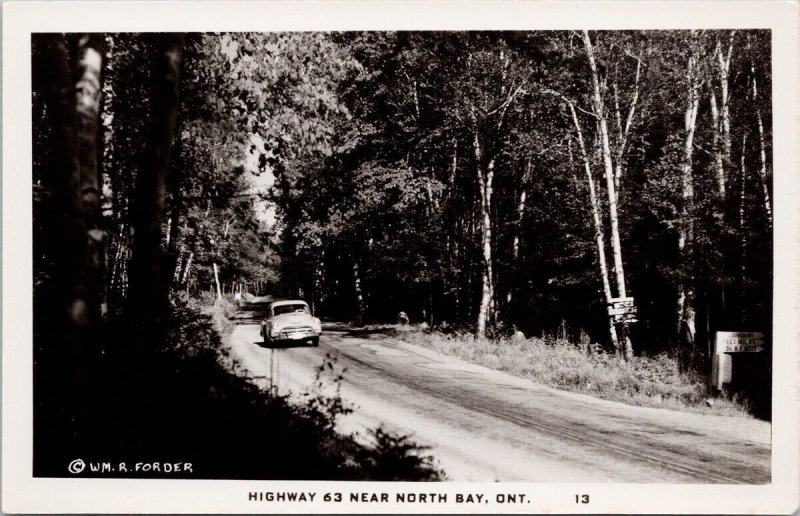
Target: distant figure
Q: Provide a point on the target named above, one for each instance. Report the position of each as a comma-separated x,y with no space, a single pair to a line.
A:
402,318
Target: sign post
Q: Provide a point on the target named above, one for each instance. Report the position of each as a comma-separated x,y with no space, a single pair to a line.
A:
727,342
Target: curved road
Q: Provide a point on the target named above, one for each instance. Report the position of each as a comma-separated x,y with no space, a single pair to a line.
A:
485,425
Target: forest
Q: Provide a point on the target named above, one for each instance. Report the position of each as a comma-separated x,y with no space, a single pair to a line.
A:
486,182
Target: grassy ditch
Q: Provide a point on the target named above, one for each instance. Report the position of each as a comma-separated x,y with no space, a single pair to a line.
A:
645,381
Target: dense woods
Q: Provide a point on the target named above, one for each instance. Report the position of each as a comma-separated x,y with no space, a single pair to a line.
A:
500,180
484,181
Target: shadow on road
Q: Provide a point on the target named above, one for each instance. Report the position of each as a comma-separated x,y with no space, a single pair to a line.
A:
367,333
282,345
250,313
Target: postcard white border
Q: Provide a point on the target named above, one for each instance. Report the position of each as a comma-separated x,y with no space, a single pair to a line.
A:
23,493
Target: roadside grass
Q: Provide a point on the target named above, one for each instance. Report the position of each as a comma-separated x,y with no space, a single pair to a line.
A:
645,381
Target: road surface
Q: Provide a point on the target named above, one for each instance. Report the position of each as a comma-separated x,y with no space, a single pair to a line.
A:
485,425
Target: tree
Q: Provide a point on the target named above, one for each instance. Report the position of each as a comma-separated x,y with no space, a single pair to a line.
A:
149,272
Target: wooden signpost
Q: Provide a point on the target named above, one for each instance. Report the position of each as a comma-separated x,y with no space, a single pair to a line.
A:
727,342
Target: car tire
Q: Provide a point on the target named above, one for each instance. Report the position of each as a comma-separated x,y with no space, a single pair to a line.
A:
315,342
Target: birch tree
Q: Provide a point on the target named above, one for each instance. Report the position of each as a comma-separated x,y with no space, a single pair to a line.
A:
686,310
598,226
489,123
599,110
763,174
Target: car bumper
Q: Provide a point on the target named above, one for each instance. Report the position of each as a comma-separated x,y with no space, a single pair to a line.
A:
296,334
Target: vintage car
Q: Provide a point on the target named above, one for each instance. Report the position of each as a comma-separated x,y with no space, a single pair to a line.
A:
290,320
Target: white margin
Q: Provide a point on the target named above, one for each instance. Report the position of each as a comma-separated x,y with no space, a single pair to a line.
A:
22,493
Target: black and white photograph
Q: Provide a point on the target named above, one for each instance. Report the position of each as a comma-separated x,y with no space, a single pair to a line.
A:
408,262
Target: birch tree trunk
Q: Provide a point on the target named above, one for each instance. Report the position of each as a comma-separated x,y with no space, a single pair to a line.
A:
599,111
360,305
523,195
598,229
216,280
762,154
487,310
742,232
724,70
624,130
485,180
719,160
686,296
187,270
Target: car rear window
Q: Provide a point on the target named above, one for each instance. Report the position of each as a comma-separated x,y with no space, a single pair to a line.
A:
286,309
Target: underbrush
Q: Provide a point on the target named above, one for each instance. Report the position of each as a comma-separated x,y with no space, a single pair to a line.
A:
645,381
180,402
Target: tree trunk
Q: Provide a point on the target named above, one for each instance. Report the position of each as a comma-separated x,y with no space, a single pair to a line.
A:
762,147
686,298
598,231
599,111
453,168
624,130
360,305
73,222
724,69
719,160
454,241
120,254
523,196
186,270
216,280
88,102
742,232
66,221
87,96
147,282
485,189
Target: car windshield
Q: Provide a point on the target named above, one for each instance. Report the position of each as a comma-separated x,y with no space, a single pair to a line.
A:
287,309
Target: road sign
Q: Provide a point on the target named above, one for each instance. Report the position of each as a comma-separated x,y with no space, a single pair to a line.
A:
739,342
622,309
618,302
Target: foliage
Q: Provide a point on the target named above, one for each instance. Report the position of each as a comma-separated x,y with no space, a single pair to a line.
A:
398,194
